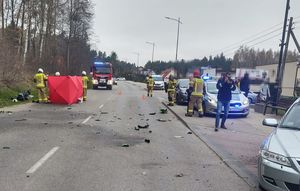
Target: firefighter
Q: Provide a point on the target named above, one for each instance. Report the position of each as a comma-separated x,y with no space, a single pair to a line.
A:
150,84
40,80
197,95
171,90
85,80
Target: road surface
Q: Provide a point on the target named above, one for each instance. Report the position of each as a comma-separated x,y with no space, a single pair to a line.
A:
84,147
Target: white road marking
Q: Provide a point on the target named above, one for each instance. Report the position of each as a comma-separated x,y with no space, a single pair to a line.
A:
87,119
42,160
101,106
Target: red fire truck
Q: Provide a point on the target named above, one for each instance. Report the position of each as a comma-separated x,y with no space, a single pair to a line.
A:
102,75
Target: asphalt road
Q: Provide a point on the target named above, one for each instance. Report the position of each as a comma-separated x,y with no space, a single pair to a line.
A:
79,148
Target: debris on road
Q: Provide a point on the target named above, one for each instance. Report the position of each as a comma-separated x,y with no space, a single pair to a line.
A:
147,119
6,148
69,108
147,140
162,120
179,137
152,113
21,120
140,114
163,111
150,131
104,112
136,128
45,123
98,133
179,175
125,145
144,173
97,120
143,126
189,133
70,122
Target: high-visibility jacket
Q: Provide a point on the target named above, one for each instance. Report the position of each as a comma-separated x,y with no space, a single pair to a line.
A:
40,79
198,85
150,82
171,85
85,80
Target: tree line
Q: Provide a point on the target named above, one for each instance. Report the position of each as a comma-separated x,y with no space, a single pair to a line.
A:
51,34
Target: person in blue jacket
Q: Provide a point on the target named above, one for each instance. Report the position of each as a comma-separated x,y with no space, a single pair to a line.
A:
225,86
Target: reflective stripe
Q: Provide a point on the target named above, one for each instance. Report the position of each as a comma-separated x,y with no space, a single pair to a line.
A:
85,80
171,90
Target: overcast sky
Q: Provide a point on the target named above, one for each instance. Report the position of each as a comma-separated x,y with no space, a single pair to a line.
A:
208,26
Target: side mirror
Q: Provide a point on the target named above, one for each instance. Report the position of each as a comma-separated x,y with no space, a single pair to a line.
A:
270,122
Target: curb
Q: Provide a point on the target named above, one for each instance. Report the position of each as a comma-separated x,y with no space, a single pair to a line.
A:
237,168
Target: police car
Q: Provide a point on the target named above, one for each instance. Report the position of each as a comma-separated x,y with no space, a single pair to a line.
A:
239,105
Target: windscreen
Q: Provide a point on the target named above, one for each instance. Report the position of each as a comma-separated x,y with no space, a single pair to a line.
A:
292,119
184,83
212,88
103,70
157,78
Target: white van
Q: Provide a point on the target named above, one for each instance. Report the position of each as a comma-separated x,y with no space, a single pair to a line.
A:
158,82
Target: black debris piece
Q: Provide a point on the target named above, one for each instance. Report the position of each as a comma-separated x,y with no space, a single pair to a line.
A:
125,145
163,111
162,120
140,114
98,133
97,120
150,131
147,140
143,126
21,120
189,133
6,148
136,128
69,108
179,175
104,113
152,113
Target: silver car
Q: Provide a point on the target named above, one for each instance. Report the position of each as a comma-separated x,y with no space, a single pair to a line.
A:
239,105
279,158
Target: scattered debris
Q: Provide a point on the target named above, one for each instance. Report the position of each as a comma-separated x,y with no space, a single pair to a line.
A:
150,131
98,133
189,133
97,120
70,122
69,108
147,140
152,113
143,126
179,137
21,120
104,112
147,119
45,123
140,114
179,175
125,145
144,173
136,128
163,111
27,176
162,120
6,148
119,118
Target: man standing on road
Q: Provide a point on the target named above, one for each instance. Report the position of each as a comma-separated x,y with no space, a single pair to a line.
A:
197,95
150,84
85,80
245,84
40,79
225,86
171,90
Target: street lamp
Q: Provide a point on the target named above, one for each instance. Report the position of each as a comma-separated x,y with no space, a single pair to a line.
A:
179,22
138,58
153,45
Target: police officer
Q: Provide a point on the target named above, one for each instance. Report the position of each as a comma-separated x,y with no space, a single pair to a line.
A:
197,95
171,90
40,80
150,84
85,80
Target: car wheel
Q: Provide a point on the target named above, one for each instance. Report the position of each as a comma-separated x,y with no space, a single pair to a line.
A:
178,100
204,109
95,87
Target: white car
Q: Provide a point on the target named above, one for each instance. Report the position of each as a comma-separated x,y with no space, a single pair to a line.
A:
158,82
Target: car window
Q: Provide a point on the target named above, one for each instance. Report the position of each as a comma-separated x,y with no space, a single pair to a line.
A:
184,83
292,119
157,78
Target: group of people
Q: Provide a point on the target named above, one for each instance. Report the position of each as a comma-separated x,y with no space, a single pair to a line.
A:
40,80
225,85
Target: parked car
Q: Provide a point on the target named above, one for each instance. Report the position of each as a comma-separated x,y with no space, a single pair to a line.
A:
158,82
181,91
115,81
239,105
252,97
279,158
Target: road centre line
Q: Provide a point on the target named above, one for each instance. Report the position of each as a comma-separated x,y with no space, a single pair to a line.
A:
87,119
38,164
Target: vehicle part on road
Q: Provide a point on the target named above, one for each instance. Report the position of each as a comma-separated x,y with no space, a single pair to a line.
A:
21,120
150,131
163,111
179,137
6,148
125,145
143,126
147,140
179,175
162,120
136,128
152,113
104,112
189,133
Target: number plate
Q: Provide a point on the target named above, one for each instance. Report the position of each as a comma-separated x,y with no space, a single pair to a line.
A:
102,80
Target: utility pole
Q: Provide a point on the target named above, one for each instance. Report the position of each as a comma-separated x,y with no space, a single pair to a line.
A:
282,44
138,58
281,71
295,40
178,27
153,46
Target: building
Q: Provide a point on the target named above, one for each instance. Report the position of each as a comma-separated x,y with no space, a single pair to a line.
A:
290,80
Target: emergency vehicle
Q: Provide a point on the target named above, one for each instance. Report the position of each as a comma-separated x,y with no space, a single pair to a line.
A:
102,75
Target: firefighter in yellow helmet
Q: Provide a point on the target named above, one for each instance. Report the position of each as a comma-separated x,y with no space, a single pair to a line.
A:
197,95
40,80
171,90
150,84
85,80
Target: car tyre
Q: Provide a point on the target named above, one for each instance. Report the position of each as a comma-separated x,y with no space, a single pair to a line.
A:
109,87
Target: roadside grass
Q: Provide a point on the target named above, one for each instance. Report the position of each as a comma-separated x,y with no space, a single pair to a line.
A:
7,93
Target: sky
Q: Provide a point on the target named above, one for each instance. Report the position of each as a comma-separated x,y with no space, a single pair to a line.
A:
208,27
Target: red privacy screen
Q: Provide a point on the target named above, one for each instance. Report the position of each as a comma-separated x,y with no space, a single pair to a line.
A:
65,89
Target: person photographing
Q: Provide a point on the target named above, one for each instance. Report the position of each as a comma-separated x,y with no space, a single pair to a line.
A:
225,85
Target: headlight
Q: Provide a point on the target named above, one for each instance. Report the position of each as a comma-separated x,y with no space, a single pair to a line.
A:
246,102
95,81
277,158
109,82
